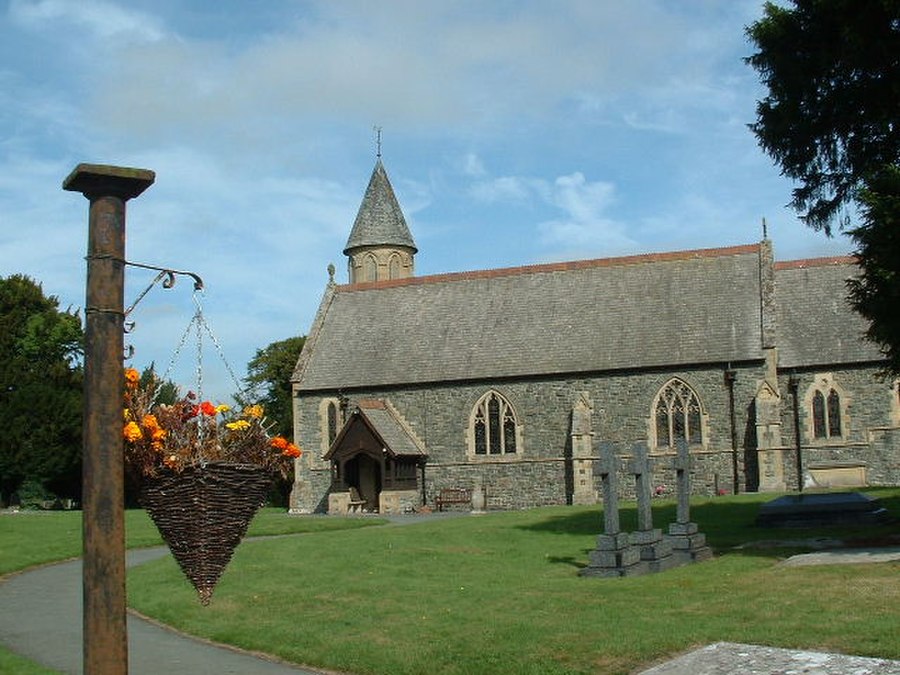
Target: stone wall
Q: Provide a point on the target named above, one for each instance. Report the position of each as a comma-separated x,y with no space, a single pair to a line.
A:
541,471
870,436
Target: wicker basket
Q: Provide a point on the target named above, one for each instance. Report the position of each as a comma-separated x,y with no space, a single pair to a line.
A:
203,513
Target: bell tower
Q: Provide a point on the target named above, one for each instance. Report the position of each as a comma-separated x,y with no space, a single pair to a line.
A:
380,246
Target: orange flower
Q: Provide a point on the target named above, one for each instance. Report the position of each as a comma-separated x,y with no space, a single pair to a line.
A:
287,448
132,432
150,422
208,409
292,451
132,378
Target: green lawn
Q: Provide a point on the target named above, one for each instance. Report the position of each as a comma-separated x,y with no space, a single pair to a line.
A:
494,593
30,538
500,593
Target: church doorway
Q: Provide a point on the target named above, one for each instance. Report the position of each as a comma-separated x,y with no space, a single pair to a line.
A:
364,473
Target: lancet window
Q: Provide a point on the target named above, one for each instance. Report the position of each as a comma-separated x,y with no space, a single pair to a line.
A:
494,427
678,415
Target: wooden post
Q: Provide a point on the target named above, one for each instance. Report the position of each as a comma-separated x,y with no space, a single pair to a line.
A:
103,477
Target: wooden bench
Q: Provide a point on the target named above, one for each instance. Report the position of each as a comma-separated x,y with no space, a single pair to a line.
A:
356,501
452,496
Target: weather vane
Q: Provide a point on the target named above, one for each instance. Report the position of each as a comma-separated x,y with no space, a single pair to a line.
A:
377,131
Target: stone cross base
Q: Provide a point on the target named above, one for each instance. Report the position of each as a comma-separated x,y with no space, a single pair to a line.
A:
688,544
656,550
613,557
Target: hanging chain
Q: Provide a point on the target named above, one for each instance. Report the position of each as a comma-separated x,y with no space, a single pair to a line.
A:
221,353
199,325
198,316
177,352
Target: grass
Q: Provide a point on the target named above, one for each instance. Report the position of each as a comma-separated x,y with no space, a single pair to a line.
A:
30,538
500,593
495,593
13,663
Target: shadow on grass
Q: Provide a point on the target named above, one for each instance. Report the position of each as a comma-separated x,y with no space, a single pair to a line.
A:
730,522
568,560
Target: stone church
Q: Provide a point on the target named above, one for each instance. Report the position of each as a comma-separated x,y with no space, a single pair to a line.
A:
513,380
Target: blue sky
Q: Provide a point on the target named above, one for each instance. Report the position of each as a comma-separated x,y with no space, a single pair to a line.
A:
514,133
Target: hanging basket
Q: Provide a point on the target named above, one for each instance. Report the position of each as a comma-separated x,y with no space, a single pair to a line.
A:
203,513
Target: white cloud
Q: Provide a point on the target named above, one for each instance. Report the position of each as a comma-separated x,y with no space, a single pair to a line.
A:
473,166
101,19
504,189
257,120
584,229
583,226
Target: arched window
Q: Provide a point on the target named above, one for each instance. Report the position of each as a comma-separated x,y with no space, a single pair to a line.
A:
678,415
370,268
394,267
493,427
332,413
826,405
826,414
330,422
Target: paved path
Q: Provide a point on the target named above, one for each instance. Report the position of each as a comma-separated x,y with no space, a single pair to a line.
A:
41,618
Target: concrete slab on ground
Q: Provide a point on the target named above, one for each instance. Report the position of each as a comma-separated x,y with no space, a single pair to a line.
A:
727,658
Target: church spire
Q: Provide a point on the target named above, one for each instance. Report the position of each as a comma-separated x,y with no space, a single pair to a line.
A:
380,245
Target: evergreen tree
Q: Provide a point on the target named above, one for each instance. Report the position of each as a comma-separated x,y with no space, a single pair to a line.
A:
831,120
40,390
269,373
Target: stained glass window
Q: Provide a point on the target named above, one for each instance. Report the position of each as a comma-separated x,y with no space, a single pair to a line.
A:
494,426
678,415
819,427
834,413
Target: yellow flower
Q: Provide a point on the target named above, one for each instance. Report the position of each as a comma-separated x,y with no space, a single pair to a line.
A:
254,411
237,425
222,407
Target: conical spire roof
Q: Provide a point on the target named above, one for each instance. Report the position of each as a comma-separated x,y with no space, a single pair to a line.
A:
380,221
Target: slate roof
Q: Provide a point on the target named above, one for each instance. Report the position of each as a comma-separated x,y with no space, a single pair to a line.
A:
386,424
816,325
379,221
643,311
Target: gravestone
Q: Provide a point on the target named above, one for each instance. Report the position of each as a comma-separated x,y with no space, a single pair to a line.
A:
655,550
688,543
614,555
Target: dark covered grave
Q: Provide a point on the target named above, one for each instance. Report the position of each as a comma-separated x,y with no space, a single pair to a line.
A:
822,509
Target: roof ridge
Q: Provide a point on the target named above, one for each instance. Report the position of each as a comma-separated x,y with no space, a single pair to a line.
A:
817,262
561,266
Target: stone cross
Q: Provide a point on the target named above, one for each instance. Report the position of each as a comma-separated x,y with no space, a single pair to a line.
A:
640,468
682,464
607,468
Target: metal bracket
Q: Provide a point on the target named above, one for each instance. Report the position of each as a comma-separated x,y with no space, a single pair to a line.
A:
166,275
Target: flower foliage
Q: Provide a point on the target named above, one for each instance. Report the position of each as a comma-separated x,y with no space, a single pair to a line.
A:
191,432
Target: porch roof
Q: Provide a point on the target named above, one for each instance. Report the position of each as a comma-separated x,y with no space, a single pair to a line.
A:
386,425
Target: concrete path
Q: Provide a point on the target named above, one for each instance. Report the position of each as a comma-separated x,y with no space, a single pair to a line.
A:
41,618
